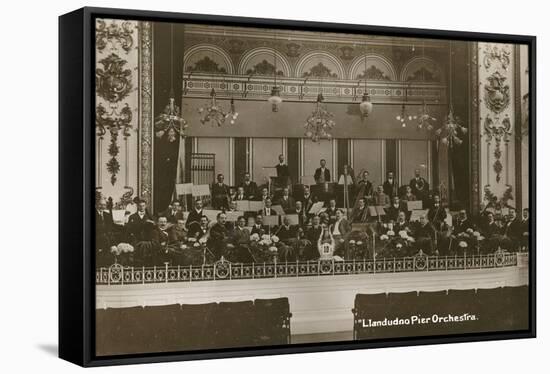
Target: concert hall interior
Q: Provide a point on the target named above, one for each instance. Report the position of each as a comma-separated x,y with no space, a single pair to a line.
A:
238,164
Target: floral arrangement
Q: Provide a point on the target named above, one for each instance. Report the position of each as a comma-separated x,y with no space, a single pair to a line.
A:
265,246
394,245
121,248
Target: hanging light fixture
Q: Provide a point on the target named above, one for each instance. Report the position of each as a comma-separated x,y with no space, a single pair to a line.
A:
449,133
365,106
425,119
319,124
403,117
215,113
275,98
170,120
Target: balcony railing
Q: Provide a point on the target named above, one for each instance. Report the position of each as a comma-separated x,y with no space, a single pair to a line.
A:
224,270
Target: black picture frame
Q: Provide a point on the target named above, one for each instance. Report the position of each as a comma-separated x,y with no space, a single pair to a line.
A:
76,190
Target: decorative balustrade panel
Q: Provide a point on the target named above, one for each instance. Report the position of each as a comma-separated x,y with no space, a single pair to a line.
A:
224,270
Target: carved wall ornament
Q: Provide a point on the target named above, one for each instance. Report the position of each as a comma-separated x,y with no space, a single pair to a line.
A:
293,50
499,131
373,73
236,46
346,53
497,93
424,75
114,33
146,130
113,82
496,54
206,65
319,71
264,68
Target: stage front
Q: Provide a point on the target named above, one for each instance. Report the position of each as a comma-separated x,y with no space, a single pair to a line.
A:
321,294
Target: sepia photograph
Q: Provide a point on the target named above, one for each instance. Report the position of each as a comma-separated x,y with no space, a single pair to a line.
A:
261,187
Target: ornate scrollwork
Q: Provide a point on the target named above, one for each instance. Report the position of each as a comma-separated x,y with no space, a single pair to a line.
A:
497,93
115,32
424,75
495,53
264,68
206,65
113,82
293,50
319,71
373,73
500,131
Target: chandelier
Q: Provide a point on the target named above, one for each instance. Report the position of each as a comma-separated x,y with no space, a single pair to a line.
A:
170,121
320,123
403,117
365,106
448,133
425,119
216,113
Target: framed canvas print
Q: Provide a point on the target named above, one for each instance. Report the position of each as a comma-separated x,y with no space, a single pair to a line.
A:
234,186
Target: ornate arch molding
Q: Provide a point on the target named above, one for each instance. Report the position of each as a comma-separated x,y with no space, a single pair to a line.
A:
378,68
260,61
320,64
207,58
422,69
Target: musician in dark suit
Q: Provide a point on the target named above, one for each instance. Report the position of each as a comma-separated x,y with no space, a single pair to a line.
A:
286,201
220,194
308,199
365,189
219,240
250,189
525,228
312,236
195,214
299,210
419,186
104,233
173,213
322,174
160,239
425,236
360,212
282,168
401,224
258,227
264,195
240,237
199,229
379,198
178,232
462,223
140,224
393,210
437,213
267,210
241,195
331,211
390,186
513,227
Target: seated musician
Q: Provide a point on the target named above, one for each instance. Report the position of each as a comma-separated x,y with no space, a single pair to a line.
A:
308,199
339,230
264,195
360,212
286,201
390,186
393,210
408,195
195,214
462,223
426,236
299,210
365,189
492,232
250,189
140,224
401,224
240,194
258,227
437,213
220,194
198,230
331,211
178,232
288,236
513,229
525,229
379,198
232,207
240,237
322,174
161,237
267,210
312,235
219,240
173,213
